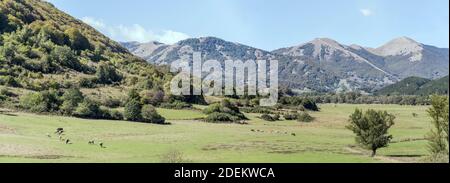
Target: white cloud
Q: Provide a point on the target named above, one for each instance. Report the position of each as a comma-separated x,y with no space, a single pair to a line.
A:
134,32
50,1
98,24
171,37
366,12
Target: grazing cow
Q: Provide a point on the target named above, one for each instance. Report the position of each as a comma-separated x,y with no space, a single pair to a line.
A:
59,131
91,142
253,130
101,145
293,134
68,141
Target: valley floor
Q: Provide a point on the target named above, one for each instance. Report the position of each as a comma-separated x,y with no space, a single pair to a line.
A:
23,138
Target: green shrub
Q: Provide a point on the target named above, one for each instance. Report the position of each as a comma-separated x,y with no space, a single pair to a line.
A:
65,57
77,40
145,84
111,102
71,98
176,105
310,105
150,115
221,117
107,74
5,92
116,115
88,109
9,81
304,117
290,116
45,101
300,102
257,109
224,111
132,111
87,82
154,97
276,117
267,117
4,95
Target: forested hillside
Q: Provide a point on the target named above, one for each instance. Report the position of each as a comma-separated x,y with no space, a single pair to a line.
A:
44,53
417,86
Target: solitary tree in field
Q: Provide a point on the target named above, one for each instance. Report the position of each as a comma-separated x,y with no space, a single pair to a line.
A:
132,111
371,128
438,137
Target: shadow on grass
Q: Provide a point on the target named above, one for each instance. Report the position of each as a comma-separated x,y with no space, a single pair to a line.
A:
405,156
6,113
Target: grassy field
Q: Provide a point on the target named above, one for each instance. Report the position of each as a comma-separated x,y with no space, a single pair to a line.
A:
23,138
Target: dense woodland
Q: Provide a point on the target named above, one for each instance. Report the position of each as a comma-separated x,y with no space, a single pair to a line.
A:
51,62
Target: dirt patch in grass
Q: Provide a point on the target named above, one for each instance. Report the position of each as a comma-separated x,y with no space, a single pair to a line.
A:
26,151
281,147
47,157
387,158
7,130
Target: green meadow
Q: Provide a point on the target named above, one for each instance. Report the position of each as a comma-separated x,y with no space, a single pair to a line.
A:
24,138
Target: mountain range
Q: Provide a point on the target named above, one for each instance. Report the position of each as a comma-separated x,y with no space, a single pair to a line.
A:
322,65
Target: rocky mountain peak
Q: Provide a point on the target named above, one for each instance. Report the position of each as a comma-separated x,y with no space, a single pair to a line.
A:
401,46
326,41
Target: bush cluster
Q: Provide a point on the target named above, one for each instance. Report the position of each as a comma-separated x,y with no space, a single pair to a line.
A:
223,112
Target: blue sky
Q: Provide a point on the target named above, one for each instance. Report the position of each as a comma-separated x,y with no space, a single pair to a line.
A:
267,24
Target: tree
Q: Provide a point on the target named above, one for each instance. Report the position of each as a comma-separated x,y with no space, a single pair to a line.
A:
438,136
44,101
154,98
309,104
3,21
34,102
65,57
98,54
132,111
371,128
88,109
150,115
107,74
71,98
77,40
133,94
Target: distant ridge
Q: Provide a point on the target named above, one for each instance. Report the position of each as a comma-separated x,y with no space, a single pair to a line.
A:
417,86
321,65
